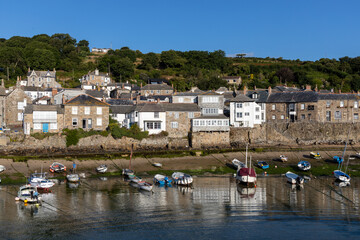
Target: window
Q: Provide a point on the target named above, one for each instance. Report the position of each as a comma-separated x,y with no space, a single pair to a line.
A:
74,122
98,121
282,117
74,110
153,125
89,123
37,126
328,103
226,122
309,116
176,115
191,115
196,122
356,104
356,116
247,104
341,103
273,117
219,122
158,91
247,114
20,116
174,125
257,109
210,99
53,126
302,106
273,107
87,110
254,95
257,117
239,115
156,114
239,105
210,111
302,116
328,116
181,99
262,116
202,122
99,110
21,105
337,115
208,122
311,107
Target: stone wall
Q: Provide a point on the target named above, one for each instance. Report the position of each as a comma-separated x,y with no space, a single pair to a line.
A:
210,140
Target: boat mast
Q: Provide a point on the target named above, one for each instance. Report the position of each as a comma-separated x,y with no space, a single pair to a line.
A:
246,155
132,145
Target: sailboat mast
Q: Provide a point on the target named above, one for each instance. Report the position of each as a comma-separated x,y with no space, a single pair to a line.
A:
246,155
132,145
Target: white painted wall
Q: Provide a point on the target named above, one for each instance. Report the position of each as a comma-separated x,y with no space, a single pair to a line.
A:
250,114
149,116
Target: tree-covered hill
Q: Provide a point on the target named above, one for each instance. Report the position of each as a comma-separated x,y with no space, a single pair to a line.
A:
204,69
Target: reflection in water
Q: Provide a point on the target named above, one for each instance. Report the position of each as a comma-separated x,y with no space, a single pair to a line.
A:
215,207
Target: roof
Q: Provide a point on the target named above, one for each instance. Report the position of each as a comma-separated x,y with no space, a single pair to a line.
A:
42,73
160,97
209,93
2,91
242,98
157,87
212,117
337,96
285,89
181,107
95,93
151,107
29,109
231,77
117,101
36,89
195,94
100,74
289,97
85,100
262,95
158,81
222,89
123,109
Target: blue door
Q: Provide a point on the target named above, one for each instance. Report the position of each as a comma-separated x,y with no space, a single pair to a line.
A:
45,127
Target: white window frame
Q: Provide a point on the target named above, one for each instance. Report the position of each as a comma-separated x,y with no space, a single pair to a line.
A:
302,106
273,107
99,121
99,110
174,125
87,110
73,121
74,110
341,103
191,115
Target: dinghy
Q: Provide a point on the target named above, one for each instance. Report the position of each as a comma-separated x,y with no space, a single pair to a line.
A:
294,178
315,155
28,194
162,180
182,178
2,168
263,165
57,167
304,165
238,164
135,179
145,186
40,181
341,176
156,164
127,172
283,158
102,168
74,178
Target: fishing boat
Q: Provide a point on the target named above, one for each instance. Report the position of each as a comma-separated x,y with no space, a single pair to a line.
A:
341,176
237,163
127,172
304,165
2,168
162,180
57,167
28,194
283,158
40,181
263,165
294,178
74,177
102,168
182,178
145,186
315,155
156,164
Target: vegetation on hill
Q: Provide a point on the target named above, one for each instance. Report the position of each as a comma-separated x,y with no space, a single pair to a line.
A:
204,69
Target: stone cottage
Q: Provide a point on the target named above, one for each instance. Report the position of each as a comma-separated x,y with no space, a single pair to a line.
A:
15,103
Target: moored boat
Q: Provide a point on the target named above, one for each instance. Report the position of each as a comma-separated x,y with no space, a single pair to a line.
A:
145,186
237,163
57,167
28,194
341,176
182,178
40,181
283,158
135,179
315,155
2,168
162,180
263,165
74,178
294,178
102,168
127,172
304,165
156,164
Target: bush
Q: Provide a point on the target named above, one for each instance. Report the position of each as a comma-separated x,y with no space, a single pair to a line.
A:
73,136
134,131
41,136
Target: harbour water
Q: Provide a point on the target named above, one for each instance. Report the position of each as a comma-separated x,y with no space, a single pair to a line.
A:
215,208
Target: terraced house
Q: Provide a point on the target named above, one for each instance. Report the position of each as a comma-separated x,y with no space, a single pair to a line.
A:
43,118
86,112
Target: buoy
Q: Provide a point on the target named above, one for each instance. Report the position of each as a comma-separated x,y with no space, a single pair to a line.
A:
25,201
275,166
17,199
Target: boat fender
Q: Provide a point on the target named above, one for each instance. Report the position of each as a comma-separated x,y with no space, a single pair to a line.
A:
25,201
17,199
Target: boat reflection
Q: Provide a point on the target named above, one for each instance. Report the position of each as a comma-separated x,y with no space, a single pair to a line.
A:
246,192
72,185
341,183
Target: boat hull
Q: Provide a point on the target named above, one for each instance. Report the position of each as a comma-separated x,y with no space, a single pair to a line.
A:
341,176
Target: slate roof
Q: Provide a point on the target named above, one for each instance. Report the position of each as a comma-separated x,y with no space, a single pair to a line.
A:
187,94
337,96
222,89
29,109
36,89
209,93
117,101
85,100
285,89
155,97
181,107
123,109
158,81
42,73
95,93
262,95
242,98
157,87
151,107
292,97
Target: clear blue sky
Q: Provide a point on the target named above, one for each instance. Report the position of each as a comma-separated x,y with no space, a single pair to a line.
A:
292,29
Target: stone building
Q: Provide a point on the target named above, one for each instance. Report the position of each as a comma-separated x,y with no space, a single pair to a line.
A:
43,118
233,80
156,89
95,78
86,112
15,103
2,104
46,79
333,107
178,118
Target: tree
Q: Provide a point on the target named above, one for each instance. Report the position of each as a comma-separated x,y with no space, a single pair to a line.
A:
285,75
42,59
150,60
171,59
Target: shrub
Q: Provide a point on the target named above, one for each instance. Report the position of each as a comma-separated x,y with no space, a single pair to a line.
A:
73,136
134,132
41,136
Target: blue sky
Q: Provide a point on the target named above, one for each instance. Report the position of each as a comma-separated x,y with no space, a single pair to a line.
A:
292,29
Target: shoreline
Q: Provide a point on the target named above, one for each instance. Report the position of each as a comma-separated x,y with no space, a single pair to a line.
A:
209,164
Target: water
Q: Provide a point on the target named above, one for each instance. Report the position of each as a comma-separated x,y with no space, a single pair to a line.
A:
214,209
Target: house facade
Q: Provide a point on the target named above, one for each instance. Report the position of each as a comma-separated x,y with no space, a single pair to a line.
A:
15,103
156,89
46,79
43,118
95,78
151,118
245,112
87,113
39,92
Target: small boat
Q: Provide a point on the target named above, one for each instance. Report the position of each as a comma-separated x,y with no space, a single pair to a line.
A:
73,178
283,158
304,165
357,155
156,164
294,178
127,172
341,176
40,181
102,168
28,194
135,179
337,159
182,178
57,167
263,165
238,164
162,180
2,168
315,155
145,186
246,176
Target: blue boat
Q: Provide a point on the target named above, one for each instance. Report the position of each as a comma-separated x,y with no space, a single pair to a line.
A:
337,159
304,165
263,165
162,180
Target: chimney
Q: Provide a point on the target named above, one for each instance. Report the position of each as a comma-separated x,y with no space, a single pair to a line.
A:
54,70
63,99
98,87
254,87
2,83
294,86
339,90
269,90
316,88
158,100
172,85
131,96
54,92
29,69
245,90
117,93
308,87
97,72
141,84
137,99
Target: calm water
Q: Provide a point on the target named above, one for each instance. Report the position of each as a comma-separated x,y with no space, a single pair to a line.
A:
214,209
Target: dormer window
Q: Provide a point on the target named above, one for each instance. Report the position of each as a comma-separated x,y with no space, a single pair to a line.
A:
254,96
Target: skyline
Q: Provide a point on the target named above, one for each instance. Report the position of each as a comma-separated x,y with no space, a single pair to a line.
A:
292,30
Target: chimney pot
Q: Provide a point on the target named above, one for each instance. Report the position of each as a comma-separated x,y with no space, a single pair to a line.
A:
269,90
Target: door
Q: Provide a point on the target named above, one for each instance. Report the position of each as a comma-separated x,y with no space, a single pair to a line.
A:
45,127
89,123
84,123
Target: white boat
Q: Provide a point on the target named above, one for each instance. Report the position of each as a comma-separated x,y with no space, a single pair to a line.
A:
341,176
135,179
182,178
162,180
28,194
246,175
304,165
238,164
156,164
294,178
127,172
145,186
2,168
102,168
73,177
283,158
40,181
